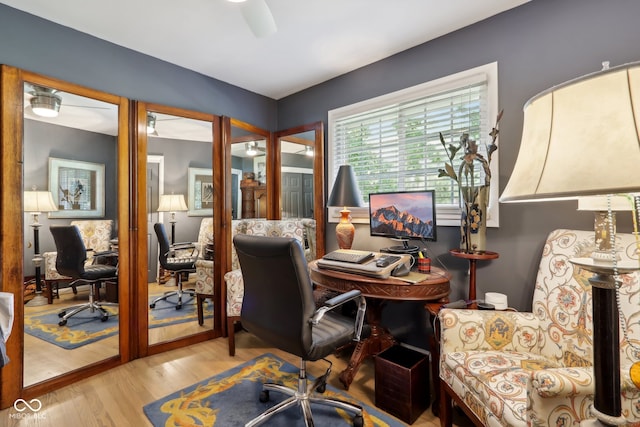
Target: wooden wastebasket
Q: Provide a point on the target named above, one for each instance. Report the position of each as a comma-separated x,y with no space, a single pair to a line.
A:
402,382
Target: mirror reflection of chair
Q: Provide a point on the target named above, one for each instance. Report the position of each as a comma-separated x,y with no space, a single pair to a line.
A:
279,308
179,258
70,261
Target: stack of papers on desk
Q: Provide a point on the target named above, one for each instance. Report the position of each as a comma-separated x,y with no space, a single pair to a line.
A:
367,268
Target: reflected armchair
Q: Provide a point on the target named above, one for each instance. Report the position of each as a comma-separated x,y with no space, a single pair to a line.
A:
280,309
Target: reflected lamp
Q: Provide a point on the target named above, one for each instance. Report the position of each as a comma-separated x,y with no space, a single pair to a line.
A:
581,138
35,203
345,193
172,203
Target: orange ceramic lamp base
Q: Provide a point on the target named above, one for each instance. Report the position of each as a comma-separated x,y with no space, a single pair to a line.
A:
345,230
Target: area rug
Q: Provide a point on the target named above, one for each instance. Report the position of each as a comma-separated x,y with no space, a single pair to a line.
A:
231,399
165,313
86,327
81,329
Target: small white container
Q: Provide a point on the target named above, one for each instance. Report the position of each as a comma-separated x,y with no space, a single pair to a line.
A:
499,301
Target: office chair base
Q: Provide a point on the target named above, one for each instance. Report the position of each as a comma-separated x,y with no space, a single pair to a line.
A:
180,292
303,397
92,306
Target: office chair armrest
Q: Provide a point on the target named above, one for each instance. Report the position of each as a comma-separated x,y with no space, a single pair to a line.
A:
105,253
337,301
184,246
105,257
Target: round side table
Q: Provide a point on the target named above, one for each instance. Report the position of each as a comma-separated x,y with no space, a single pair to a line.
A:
473,258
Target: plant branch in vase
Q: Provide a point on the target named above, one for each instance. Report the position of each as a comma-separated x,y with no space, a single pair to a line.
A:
474,194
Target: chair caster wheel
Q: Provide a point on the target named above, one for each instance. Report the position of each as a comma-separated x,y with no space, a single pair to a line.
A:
178,307
62,323
321,388
62,314
152,305
358,421
104,318
264,396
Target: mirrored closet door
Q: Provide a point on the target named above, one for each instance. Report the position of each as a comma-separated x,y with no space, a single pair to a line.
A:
73,142
176,151
299,172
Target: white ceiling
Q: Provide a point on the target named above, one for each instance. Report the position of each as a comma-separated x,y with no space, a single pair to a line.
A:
316,40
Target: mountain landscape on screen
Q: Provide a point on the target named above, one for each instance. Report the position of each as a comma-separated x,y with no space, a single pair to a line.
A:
390,221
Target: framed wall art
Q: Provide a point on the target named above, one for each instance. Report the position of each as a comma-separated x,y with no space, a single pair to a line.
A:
200,192
77,188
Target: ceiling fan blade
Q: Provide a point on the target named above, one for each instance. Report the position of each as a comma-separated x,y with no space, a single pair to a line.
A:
258,17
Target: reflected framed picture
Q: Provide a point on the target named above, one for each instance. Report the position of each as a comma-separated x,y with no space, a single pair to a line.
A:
77,188
200,192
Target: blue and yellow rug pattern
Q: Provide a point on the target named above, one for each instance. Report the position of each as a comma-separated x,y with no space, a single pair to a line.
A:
86,327
231,399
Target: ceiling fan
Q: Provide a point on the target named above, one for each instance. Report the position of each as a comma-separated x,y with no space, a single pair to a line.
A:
258,17
46,102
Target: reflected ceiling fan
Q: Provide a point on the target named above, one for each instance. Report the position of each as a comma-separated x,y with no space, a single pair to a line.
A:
252,148
46,102
307,151
258,17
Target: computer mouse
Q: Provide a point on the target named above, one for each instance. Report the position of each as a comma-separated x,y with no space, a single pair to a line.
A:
382,262
401,270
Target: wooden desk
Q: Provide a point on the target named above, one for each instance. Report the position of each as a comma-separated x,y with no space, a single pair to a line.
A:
378,291
473,258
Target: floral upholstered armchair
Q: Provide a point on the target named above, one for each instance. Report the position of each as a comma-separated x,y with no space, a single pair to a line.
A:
514,369
96,235
204,267
302,229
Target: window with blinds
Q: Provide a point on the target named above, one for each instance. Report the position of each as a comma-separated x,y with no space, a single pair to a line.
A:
393,142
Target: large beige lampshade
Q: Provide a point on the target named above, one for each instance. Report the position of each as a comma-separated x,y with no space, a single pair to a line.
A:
580,138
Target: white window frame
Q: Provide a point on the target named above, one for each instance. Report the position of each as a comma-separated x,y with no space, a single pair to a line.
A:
447,215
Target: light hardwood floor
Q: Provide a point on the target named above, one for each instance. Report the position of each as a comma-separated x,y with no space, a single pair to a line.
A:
61,361
115,398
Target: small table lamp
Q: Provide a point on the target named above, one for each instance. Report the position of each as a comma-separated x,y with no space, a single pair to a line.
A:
580,138
36,202
172,203
345,193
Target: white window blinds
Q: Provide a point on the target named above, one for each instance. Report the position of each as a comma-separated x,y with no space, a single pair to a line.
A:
393,142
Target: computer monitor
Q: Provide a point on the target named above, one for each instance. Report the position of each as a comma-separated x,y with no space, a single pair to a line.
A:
403,215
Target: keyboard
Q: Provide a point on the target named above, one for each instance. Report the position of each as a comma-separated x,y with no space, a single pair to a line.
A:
349,255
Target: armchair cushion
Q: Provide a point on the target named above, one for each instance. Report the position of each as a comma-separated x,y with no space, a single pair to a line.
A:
535,368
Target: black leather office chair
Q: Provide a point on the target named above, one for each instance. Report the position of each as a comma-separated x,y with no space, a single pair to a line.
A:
178,258
70,261
278,306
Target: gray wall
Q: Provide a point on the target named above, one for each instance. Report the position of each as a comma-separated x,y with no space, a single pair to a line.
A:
43,140
538,45
179,157
41,46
